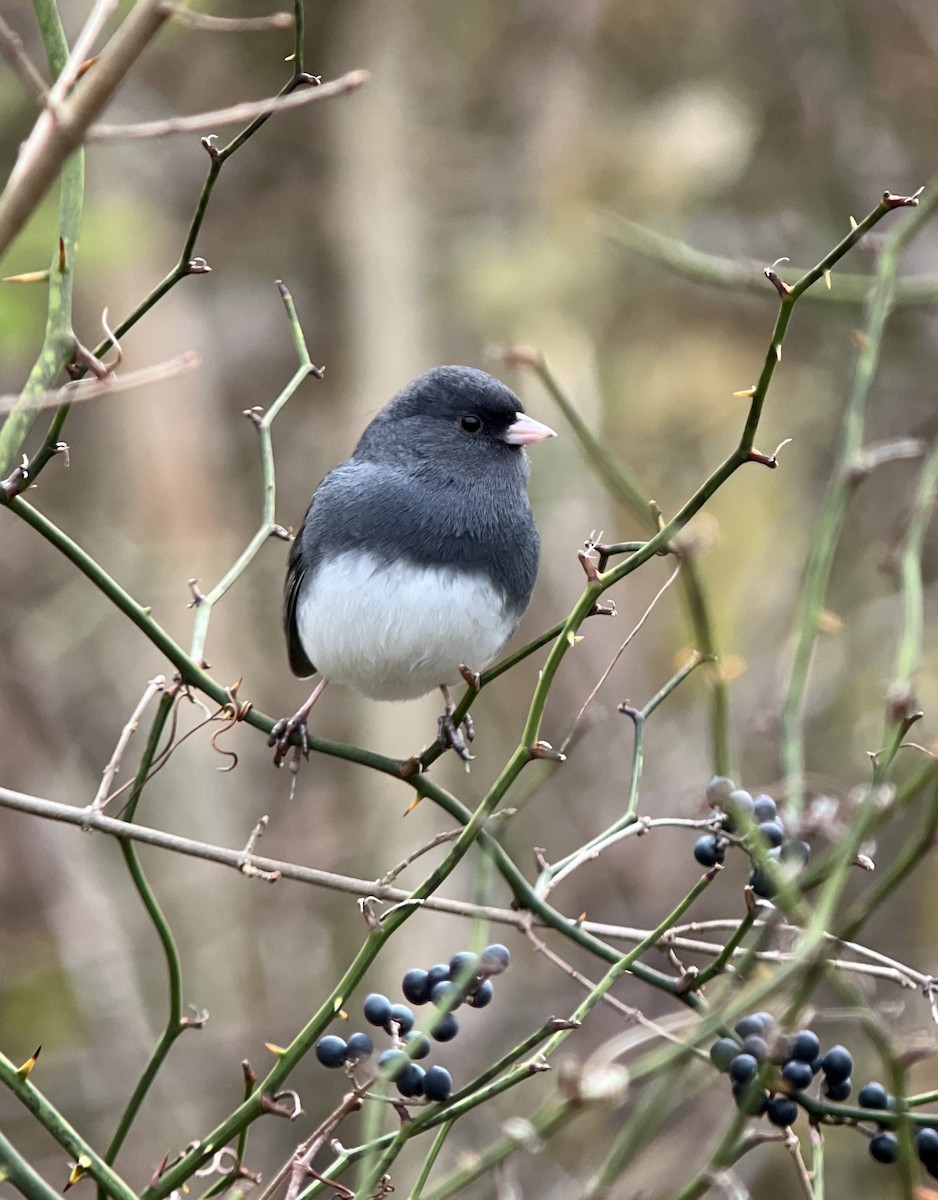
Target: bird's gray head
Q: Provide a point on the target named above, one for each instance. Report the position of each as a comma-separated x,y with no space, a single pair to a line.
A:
453,414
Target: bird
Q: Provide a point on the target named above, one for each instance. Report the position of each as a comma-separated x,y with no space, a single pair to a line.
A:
418,555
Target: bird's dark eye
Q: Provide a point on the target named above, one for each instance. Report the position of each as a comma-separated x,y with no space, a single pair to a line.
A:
470,423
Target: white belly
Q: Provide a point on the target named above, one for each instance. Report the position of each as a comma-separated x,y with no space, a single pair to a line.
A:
396,632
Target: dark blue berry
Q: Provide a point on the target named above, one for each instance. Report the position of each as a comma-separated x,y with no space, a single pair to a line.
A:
757,1046
446,995
750,1098
839,1091
482,996
360,1046
798,1074
837,1064
805,1046
884,1147
377,1009
410,1081
710,851
445,1029
754,1023
723,1052
402,1017
764,808
743,1068
331,1050
873,1095
772,832
415,986
781,1111
437,974
926,1147
763,883
437,1084
494,959
718,789
392,1063
463,965
417,1044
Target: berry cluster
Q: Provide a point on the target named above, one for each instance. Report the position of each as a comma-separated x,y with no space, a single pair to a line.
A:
740,814
769,1069
466,978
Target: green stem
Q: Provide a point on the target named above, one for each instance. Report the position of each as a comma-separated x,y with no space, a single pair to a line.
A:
16,1170
175,1024
54,1123
834,508
59,342
428,1162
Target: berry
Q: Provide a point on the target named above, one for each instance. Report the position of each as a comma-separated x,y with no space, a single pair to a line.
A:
463,965
757,1023
757,1046
873,1095
402,1017
437,1084
377,1009
415,987
446,1028
805,1046
839,1091
926,1146
331,1050
445,995
709,851
837,1064
723,1052
410,1080
762,883
417,1044
781,1111
796,852
437,974
772,832
737,806
743,1068
360,1046
718,789
798,1074
750,1099
495,959
392,1063
482,996
764,808
884,1147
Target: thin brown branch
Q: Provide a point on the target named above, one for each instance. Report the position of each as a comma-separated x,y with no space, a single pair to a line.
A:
236,114
108,385
153,688
13,50
205,22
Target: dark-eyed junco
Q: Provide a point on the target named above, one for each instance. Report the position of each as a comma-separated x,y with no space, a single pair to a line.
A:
418,555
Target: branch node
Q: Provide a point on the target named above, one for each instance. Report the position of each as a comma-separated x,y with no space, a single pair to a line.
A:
589,567
775,279
208,145
546,750
197,266
893,201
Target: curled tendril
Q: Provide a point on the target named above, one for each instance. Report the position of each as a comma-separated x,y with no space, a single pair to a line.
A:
233,712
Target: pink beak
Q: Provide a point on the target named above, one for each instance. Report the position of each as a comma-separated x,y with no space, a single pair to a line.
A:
524,430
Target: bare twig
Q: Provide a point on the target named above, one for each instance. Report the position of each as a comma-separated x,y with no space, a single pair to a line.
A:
13,50
204,22
234,115
108,385
153,688
618,654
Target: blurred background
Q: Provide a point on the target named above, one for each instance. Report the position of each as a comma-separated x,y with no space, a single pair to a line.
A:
459,202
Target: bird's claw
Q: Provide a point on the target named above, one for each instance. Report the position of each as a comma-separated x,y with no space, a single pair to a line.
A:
450,738
281,736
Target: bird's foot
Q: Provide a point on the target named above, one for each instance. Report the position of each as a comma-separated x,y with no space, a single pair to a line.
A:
281,736
450,737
